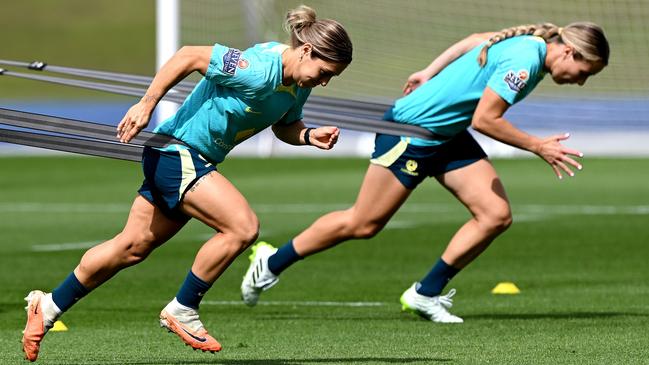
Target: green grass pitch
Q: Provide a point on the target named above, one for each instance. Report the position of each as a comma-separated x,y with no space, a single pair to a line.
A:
578,250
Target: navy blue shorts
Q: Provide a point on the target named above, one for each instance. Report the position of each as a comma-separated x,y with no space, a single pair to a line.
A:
168,175
411,164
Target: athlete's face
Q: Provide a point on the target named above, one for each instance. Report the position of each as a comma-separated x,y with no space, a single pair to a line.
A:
313,71
571,68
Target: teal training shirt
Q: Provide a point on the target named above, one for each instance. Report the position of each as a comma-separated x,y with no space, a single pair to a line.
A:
445,104
240,95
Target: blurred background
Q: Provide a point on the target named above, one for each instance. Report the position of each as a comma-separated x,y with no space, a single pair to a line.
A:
608,116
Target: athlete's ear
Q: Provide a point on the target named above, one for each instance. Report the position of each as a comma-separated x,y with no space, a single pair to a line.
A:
305,50
568,51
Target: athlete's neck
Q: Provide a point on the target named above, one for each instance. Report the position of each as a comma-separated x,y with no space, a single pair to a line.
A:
553,52
289,65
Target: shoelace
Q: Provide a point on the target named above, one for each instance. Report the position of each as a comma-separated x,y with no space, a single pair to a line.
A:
445,300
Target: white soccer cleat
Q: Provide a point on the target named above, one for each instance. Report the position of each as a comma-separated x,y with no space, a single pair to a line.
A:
258,277
432,308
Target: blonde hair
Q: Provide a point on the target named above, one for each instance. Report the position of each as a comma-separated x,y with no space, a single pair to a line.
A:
328,37
587,39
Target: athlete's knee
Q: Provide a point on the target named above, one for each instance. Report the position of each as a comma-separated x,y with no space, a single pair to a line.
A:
135,247
245,231
350,224
497,219
364,228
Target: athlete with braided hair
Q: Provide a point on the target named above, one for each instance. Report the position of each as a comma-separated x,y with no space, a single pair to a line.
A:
472,83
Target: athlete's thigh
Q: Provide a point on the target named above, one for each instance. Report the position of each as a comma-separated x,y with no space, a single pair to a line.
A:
216,202
380,195
477,186
148,224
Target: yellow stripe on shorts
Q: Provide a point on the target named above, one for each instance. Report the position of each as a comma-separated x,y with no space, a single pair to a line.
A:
392,155
188,171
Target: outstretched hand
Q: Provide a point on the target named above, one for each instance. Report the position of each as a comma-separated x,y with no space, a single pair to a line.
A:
558,156
136,119
414,81
324,137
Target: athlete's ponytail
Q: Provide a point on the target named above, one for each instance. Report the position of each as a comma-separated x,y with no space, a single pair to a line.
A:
587,39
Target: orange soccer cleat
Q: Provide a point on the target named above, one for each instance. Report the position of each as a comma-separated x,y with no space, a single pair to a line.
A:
188,327
36,327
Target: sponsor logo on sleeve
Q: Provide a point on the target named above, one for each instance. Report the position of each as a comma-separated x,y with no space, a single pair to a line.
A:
231,60
516,80
523,75
243,64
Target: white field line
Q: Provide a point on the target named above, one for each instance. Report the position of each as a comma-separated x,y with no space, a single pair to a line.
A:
401,224
69,246
297,303
62,208
21,207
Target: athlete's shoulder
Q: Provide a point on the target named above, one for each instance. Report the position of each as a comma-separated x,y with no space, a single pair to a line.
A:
269,52
254,71
522,49
270,47
265,59
526,43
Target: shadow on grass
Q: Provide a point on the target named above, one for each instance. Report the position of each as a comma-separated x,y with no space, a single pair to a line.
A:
567,315
342,360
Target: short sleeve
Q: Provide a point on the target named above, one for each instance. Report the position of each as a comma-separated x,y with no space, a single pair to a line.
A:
514,72
230,67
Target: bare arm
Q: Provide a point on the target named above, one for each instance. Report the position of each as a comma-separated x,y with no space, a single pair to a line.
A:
488,119
185,61
451,54
323,137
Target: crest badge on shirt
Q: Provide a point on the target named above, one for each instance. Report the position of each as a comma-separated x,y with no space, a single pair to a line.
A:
230,61
517,80
411,168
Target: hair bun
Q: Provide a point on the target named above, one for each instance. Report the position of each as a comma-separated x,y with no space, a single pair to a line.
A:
300,18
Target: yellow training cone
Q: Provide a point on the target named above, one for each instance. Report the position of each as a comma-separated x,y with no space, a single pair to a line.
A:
59,326
505,288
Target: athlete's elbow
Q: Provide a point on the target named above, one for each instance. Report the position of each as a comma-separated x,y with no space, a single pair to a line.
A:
186,52
193,58
480,123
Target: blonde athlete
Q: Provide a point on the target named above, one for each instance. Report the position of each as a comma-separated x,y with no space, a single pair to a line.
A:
242,93
447,97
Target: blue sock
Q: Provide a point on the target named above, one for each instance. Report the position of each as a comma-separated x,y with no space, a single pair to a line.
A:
435,281
192,291
68,292
283,258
